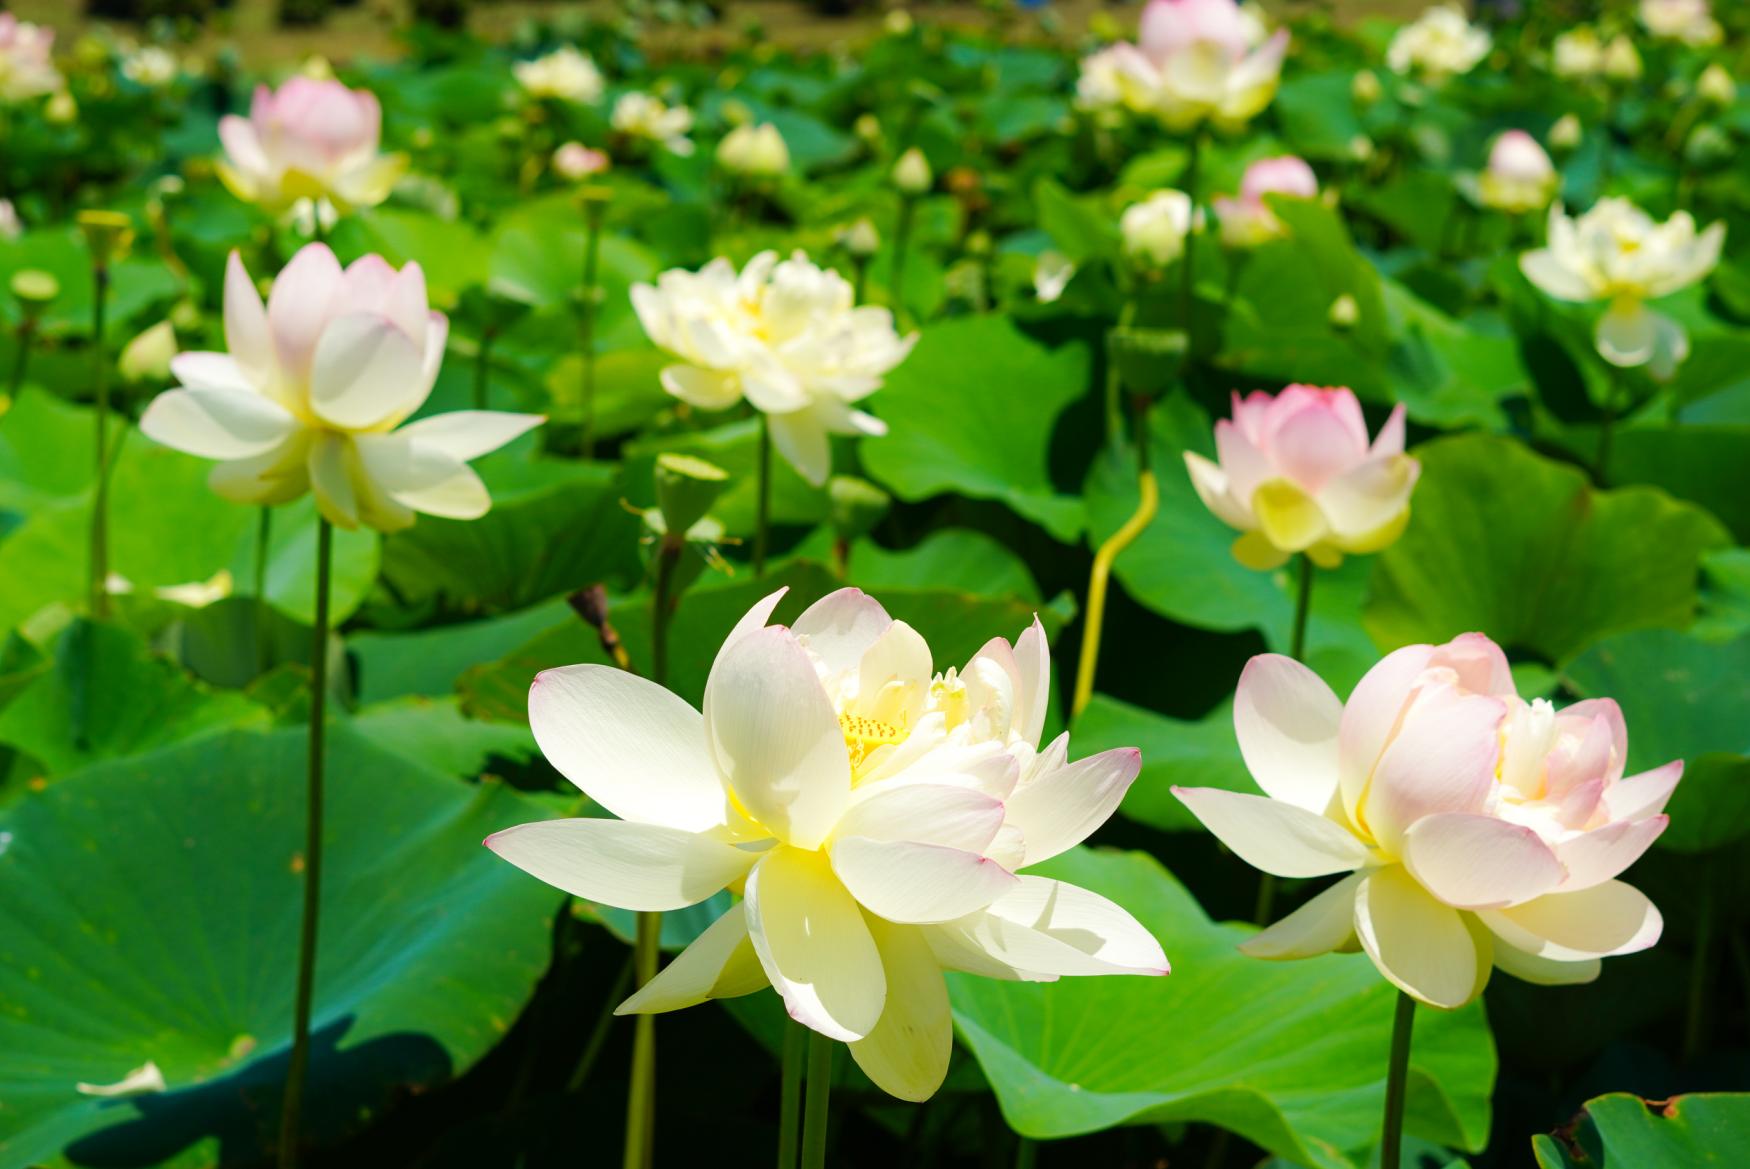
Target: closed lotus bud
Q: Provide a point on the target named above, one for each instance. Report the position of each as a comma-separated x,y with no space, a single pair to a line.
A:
1361,148
756,151
147,357
686,489
1345,313
857,505
1246,220
1716,85
1622,62
868,128
575,162
899,22
912,174
1520,177
1566,133
108,234
860,238
1365,88
35,290
1708,147
1154,230
61,109
1296,473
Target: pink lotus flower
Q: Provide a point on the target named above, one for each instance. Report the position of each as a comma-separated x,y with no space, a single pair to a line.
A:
1194,61
309,140
1296,474
1247,221
1478,830
1520,176
27,69
575,162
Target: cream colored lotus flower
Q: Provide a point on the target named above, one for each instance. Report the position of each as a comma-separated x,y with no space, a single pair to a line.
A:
152,66
1478,830
310,139
645,116
314,391
784,334
1616,252
756,151
1438,44
562,75
1689,21
1194,62
873,815
1520,176
1580,54
1296,474
1246,220
1154,231
27,68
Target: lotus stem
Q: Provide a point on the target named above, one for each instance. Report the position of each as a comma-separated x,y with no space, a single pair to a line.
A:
641,1100
21,359
1397,1080
901,246
1188,267
291,1110
263,537
598,1036
763,516
100,504
1114,378
593,208
790,1093
818,1102
483,369
1098,580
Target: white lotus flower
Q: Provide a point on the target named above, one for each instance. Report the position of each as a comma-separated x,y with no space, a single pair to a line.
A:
754,150
562,75
872,814
784,334
643,115
1439,44
314,391
27,66
152,67
1194,61
1154,231
1689,21
1617,252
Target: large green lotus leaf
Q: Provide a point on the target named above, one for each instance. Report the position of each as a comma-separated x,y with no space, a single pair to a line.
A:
558,527
151,915
1725,595
109,695
37,444
291,563
949,558
1703,464
136,283
1683,698
1290,1055
1524,549
1447,373
972,411
955,624
1174,752
628,389
1318,117
1620,1131
439,735
537,256
428,661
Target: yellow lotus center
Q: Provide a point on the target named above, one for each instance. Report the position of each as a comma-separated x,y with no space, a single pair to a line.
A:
864,735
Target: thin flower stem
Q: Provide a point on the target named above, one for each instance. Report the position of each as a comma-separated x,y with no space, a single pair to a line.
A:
790,1093
641,1100
483,369
291,1110
1026,1153
598,1036
762,522
662,605
21,359
1302,608
592,223
1188,267
1114,381
901,246
1701,961
100,504
1397,1081
1607,428
1098,580
263,537
817,1104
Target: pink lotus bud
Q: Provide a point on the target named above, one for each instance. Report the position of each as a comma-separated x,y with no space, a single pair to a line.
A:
1248,221
310,139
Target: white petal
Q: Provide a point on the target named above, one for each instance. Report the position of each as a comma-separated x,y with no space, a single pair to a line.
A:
924,813
216,424
907,1053
461,495
1594,857
801,438
1612,918
812,941
212,371
917,883
331,460
1276,837
775,737
719,964
468,434
708,389
1421,946
1033,703
247,337
1627,336
630,745
1643,795
1286,720
299,305
615,862
1442,759
1048,927
1544,971
841,626
1371,715
365,371
1059,810
1325,923
1475,862
1543,269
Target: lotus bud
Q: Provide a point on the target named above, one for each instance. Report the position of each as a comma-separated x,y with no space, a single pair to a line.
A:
1345,313
147,357
61,109
686,489
912,174
10,227
1365,88
754,151
868,128
899,23
1622,62
575,162
860,239
1565,135
1716,85
108,234
1155,229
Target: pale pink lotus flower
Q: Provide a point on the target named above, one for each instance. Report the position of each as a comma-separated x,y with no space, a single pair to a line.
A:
1194,62
1478,830
1689,21
876,817
1295,473
1519,177
310,139
575,162
314,392
27,67
1247,221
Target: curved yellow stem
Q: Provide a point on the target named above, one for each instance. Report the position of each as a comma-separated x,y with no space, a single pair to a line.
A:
1108,552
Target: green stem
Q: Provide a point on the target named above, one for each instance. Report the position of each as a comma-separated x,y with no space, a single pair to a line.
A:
1396,1082
901,245
641,1100
263,536
598,1037
1114,381
1700,967
100,505
592,220
1026,1153
817,1104
790,1093
763,514
292,1108
1302,607
1188,266
21,359
1607,428
482,369
668,552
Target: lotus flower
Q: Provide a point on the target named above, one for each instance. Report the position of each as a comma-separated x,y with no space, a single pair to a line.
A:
646,117
1437,45
872,814
1296,474
754,151
575,162
1617,252
27,69
315,389
1195,62
1520,176
1247,221
1478,830
784,334
1155,230
310,139
1689,21
562,75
